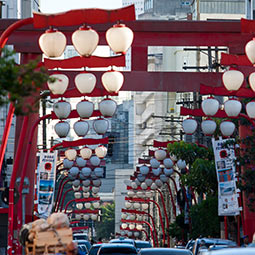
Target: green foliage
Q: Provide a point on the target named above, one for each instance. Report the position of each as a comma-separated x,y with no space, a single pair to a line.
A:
18,82
178,229
105,228
204,218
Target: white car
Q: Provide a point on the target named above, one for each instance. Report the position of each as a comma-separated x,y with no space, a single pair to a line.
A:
233,251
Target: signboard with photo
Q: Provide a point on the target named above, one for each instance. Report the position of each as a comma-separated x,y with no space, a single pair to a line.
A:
46,182
225,169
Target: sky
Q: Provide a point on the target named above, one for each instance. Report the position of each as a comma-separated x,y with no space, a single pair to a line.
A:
55,6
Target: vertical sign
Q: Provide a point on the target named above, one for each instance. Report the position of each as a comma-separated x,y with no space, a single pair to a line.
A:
46,182
226,172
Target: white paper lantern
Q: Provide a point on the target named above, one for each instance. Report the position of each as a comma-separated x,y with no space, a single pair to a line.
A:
154,163
96,205
80,162
86,153
86,194
131,226
154,186
71,154
156,171
86,216
189,126
74,170
140,194
250,51
128,205
85,82
67,163
140,177
119,37
87,205
160,154
76,183
75,188
77,216
81,128
210,106
86,171
208,126
95,161
130,233
159,183
252,81
145,206
168,172
62,109
148,194
86,189
97,182
95,190
100,126
144,169
99,172
181,164
85,109
101,151
132,216
148,182
62,129
227,128
59,85
134,185
131,193
77,195
85,40
52,43
232,107
107,107
86,183
163,178
79,206
112,81
232,80
250,109
124,225
137,206
93,217
138,183
139,227
144,185
124,216
168,163
136,234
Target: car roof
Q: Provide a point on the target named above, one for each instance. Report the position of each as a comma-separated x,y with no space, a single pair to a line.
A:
120,240
167,251
216,240
117,246
141,241
96,245
233,251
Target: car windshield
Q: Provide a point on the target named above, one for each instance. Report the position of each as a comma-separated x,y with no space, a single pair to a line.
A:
118,250
143,245
94,250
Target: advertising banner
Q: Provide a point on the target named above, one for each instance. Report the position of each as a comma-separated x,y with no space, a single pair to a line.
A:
226,172
46,182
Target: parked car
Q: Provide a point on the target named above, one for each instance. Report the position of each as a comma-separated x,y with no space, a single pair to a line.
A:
117,249
123,240
164,251
83,243
207,242
140,244
94,249
82,249
190,245
233,251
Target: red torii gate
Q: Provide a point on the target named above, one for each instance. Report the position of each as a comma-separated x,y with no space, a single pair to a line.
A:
147,33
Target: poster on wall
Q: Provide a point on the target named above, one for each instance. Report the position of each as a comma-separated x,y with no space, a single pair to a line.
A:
226,172
46,182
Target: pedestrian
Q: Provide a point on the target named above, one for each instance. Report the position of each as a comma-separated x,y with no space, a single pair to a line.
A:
99,240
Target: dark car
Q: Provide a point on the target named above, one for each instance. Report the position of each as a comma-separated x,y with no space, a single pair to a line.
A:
117,249
190,245
82,244
207,242
164,251
94,249
142,244
123,240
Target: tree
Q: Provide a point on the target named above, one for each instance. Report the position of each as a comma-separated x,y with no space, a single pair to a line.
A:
105,228
18,82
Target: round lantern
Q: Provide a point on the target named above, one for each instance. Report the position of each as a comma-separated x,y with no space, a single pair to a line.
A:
86,183
100,126
75,188
168,172
189,126
76,183
128,205
99,172
136,234
85,40
96,183
250,51
107,107
86,194
132,216
112,81
78,216
119,37
159,183
93,217
86,216
156,171
95,190
52,43
232,80
232,107
67,163
62,129
72,178
208,126
148,194
137,182
168,163
154,186
86,171
79,206
124,225
144,169
81,128
59,85
131,193
131,226
124,216
137,206
163,178
71,154
86,189
227,128
101,151
80,162
85,109
133,185
85,82
140,194
96,205
74,171
87,205
154,163
62,109
130,234
181,164
210,106
139,227
86,153
148,182
95,161
145,206
144,185
250,109
252,81
77,195
160,154
141,177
